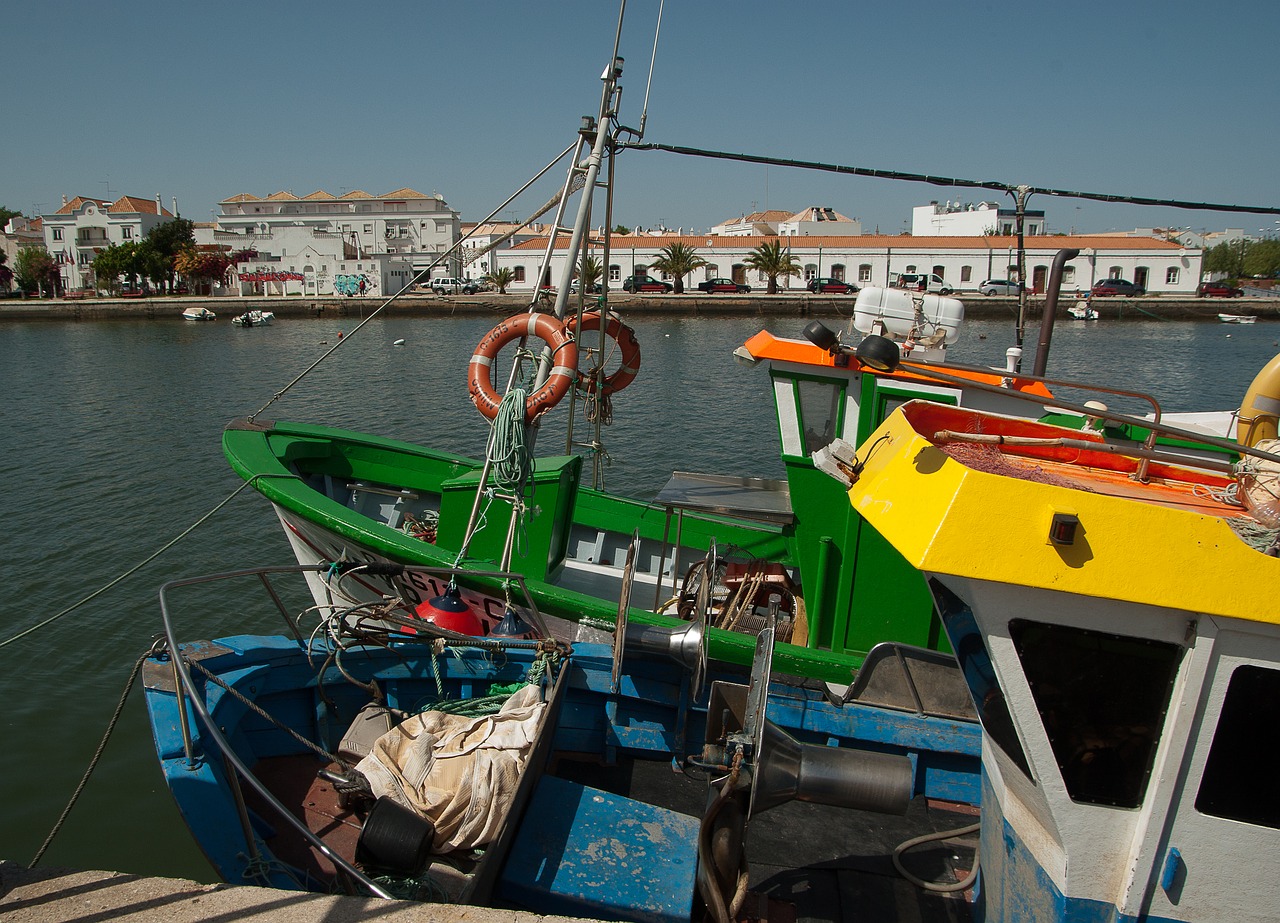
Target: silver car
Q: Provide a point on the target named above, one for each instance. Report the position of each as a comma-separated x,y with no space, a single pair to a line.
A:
999,287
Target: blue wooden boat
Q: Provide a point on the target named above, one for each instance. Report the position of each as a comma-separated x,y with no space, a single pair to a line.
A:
638,796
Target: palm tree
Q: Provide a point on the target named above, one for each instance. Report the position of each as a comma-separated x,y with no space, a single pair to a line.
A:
589,273
499,279
678,260
772,260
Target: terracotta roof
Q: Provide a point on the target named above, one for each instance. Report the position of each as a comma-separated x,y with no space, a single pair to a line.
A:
280,196
79,201
405,193
772,215
882,241
318,194
130,205
808,215
356,194
243,197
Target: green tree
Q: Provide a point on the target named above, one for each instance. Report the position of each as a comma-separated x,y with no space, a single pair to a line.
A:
161,247
6,274
36,271
6,214
1263,259
621,229
589,273
678,260
116,261
500,278
1228,257
772,260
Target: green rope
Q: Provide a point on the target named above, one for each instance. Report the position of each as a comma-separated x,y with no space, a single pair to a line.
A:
512,466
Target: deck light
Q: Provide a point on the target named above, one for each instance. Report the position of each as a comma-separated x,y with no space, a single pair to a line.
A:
1063,528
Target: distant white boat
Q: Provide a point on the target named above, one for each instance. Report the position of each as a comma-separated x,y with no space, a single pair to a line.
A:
254,319
399,342
1237,318
199,314
1082,311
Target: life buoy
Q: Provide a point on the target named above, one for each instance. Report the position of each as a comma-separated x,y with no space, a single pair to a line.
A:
628,345
564,355
1260,409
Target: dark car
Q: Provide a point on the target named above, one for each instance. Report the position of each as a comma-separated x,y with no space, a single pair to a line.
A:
831,286
1218,290
724,285
635,284
1117,287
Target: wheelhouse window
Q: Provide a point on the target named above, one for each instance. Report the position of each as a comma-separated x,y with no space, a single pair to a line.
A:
979,674
808,413
1102,699
1238,781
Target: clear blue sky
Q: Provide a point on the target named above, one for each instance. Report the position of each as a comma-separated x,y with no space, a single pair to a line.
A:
202,101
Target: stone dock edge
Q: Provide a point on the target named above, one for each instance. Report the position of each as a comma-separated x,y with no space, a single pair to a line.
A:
1163,307
58,895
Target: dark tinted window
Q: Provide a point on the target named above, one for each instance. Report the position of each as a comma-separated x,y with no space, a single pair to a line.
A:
1102,698
979,674
1239,776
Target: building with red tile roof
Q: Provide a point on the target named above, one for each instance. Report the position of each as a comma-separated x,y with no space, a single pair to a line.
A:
85,226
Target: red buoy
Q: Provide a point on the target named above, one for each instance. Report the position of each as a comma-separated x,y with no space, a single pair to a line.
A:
450,612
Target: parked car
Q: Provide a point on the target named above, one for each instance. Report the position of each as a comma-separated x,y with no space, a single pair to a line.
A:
1000,287
832,287
635,284
1118,287
474,287
724,285
924,282
446,286
1218,290
595,289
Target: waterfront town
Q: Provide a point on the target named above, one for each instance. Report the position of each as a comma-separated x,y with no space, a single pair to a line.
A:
359,243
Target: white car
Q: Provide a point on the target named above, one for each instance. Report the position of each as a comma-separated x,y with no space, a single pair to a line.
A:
445,286
999,287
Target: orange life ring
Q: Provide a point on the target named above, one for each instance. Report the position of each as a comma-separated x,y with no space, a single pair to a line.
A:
564,353
629,346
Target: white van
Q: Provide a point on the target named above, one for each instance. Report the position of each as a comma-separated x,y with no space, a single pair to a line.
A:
923,282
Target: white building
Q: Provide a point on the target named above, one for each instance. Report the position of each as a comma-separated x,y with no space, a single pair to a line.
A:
353,244
82,228
18,233
1161,266
972,219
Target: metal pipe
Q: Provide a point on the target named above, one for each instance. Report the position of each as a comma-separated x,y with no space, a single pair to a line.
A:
1051,308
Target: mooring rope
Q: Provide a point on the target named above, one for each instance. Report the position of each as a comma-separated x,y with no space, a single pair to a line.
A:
97,755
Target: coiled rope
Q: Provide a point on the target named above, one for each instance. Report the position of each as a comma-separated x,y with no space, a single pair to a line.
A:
512,466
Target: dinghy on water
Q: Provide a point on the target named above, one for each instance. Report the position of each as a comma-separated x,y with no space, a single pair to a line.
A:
254,318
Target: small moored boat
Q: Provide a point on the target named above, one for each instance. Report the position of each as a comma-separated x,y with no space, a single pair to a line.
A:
254,318
1237,318
198,314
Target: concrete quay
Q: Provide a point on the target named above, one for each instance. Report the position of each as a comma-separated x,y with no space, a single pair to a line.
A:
54,895
688,305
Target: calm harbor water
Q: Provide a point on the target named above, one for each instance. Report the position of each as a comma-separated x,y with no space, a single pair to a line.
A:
111,450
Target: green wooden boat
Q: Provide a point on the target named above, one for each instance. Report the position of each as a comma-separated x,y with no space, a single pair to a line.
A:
793,545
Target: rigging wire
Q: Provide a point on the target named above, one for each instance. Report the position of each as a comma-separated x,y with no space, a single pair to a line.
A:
1010,189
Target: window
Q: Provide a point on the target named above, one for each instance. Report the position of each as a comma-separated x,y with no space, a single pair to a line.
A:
819,412
1102,699
966,273
1115,273
837,272
940,271
864,272
128,233
517,273
1237,781
810,271
615,273
979,674
57,233
1171,275
1068,275
368,228
910,269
